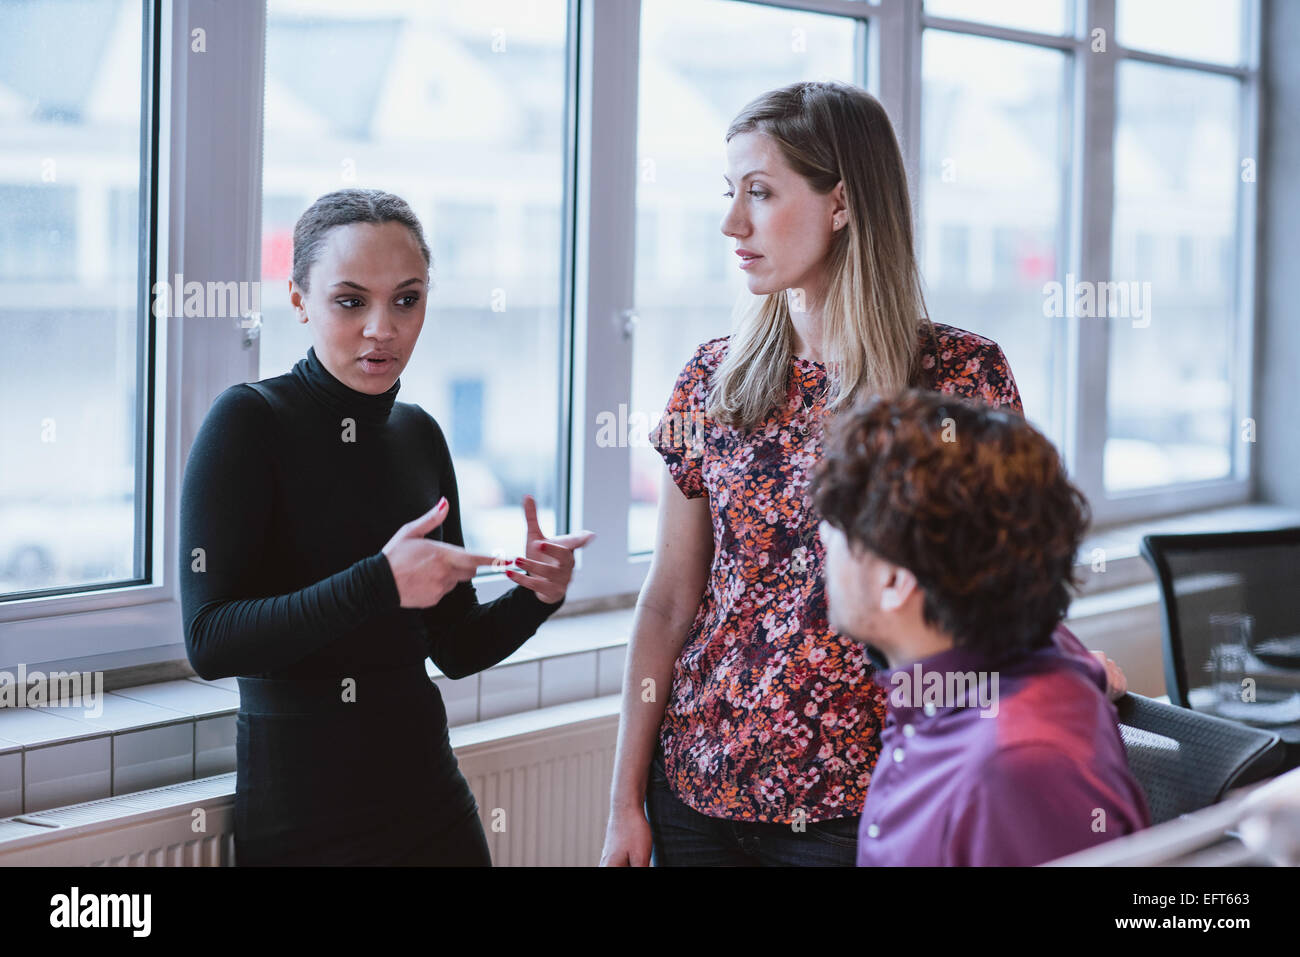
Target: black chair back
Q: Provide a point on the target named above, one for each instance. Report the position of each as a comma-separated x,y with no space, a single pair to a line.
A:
1231,608
1185,760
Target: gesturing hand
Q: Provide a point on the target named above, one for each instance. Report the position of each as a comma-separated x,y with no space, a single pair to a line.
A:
548,561
426,570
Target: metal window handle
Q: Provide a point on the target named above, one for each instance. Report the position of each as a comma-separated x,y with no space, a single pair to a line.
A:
628,319
251,323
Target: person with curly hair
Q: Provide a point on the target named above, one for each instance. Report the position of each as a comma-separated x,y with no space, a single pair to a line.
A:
950,532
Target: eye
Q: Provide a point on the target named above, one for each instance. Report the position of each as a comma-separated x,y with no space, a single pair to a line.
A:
344,302
758,194
414,297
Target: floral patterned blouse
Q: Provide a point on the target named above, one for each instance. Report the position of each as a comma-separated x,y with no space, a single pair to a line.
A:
771,713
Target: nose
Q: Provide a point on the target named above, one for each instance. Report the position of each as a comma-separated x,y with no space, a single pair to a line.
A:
380,325
735,224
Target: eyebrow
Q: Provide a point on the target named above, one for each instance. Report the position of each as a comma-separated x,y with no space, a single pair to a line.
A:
752,172
357,285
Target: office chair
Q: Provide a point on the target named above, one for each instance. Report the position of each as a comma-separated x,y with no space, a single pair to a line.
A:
1186,760
1231,610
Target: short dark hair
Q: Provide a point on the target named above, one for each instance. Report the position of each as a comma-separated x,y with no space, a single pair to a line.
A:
973,501
340,208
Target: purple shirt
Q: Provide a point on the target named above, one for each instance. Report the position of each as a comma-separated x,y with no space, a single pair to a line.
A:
1032,769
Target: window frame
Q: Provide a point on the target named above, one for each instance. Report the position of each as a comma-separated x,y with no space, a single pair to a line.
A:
206,147
1089,228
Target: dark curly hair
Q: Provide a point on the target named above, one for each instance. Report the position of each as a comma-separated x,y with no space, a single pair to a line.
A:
973,501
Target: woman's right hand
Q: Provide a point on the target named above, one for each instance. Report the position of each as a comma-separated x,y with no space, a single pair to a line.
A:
627,839
426,570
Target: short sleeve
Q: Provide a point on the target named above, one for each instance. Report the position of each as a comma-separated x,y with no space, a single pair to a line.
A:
680,433
998,386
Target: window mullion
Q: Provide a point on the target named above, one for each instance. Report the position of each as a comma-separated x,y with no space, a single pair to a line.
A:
1093,204
603,289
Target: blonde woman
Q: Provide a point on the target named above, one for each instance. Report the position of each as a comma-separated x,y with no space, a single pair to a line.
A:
749,728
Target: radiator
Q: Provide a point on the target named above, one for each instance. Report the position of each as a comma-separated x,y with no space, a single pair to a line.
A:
541,779
544,796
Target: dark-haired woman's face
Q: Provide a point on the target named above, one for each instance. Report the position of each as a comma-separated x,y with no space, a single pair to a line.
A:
777,215
365,303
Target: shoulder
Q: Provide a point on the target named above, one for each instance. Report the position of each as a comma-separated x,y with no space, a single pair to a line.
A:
408,415
240,405
703,362
950,348
966,364
1055,706
709,355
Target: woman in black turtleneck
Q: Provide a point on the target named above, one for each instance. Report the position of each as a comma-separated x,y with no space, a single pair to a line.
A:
322,561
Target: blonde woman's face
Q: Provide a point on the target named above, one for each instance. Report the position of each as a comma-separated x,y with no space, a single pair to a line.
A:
777,217
367,292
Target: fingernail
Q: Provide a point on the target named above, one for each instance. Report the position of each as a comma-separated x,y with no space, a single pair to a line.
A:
542,546
442,501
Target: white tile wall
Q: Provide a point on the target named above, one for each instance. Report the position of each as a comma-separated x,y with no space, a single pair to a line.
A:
11,781
460,696
509,688
568,678
152,758
31,726
214,746
120,714
609,670
200,699
230,684
67,774
172,731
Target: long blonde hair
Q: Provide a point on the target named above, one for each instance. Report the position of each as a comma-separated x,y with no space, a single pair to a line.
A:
874,308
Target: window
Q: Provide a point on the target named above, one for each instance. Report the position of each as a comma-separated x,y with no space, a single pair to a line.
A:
1171,367
566,160
73,296
1139,299
1042,16
460,110
686,280
1208,30
995,127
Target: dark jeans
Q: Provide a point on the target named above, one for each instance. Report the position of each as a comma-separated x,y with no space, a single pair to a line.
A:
682,836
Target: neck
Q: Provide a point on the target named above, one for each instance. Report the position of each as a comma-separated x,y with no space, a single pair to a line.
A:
921,643
807,331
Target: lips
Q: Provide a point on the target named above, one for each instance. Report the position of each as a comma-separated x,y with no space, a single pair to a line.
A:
377,362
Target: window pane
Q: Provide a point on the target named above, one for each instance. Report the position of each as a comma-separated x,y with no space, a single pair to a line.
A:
1177,173
70,288
1198,29
994,137
686,280
458,109
1044,16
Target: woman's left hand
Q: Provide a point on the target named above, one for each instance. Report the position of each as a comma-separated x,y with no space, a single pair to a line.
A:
549,561
1116,683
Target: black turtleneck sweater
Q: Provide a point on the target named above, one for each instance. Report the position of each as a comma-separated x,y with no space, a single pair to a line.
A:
291,505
